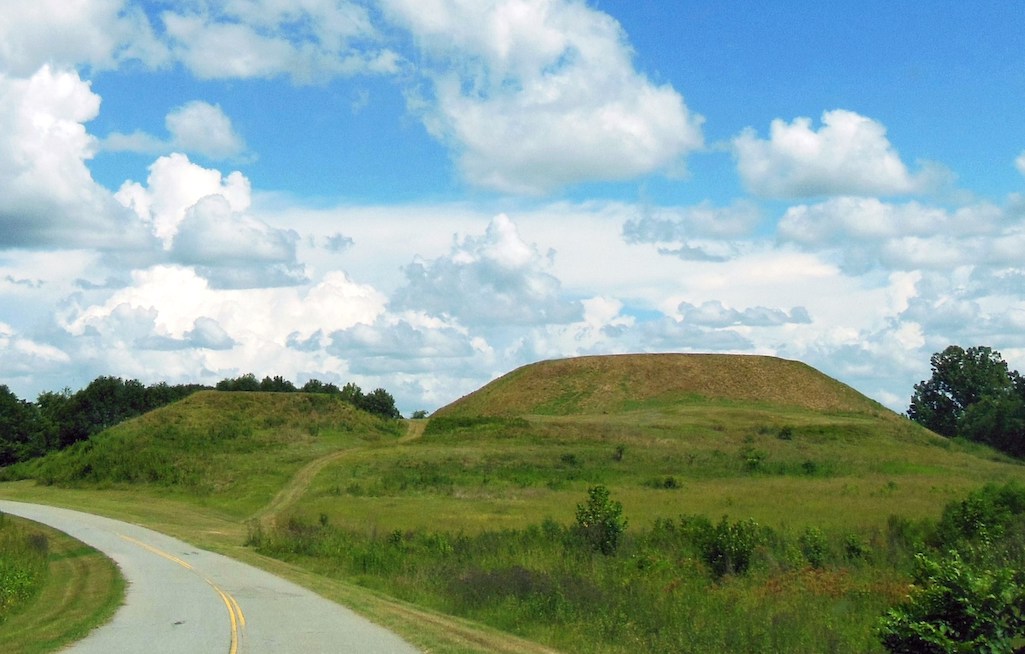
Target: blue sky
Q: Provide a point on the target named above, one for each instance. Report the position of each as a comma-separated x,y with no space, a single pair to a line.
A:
423,195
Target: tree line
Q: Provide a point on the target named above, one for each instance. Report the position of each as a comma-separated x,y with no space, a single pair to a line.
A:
59,419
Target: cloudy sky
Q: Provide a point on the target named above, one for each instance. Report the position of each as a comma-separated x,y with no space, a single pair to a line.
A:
425,194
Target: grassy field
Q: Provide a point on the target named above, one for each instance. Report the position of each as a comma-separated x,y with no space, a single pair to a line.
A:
53,588
458,532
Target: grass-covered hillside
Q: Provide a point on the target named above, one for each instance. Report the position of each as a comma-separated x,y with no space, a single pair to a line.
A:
613,384
236,449
762,505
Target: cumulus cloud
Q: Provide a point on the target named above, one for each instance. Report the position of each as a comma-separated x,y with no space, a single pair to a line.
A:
175,185
99,34
493,279
534,95
48,197
200,217
1019,163
171,320
906,236
233,250
196,127
402,343
848,155
308,40
714,313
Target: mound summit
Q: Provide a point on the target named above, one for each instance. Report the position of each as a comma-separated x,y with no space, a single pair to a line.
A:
613,383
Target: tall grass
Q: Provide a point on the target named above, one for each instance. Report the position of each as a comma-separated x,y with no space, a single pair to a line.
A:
665,589
23,562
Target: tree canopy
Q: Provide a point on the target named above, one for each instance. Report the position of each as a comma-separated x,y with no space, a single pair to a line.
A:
973,394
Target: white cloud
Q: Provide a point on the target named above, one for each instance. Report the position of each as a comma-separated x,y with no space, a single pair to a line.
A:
848,155
98,33
308,40
906,236
171,323
196,127
700,233
175,185
21,356
48,197
536,94
717,315
233,250
1019,163
493,279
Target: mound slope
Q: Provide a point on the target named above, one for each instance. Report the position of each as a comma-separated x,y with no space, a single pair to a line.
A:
607,384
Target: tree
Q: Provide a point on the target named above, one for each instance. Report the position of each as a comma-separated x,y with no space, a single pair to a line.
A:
277,384
19,427
379,402
998,421
352,394
960,378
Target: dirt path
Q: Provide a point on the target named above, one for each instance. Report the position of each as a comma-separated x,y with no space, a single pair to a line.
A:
300,482
414,430
296,486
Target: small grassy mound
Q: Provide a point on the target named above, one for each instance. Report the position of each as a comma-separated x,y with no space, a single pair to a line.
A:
240,446
612,384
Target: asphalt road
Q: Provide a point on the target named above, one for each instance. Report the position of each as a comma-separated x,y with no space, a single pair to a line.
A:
183,600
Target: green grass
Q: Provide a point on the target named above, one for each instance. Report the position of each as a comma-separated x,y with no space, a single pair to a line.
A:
405,528
66,588
229,450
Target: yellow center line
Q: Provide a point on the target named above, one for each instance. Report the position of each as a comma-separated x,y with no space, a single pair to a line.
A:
235,615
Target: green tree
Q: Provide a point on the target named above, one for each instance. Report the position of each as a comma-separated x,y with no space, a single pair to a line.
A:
19,427
997,420
352,394
379,402
600,521
960,379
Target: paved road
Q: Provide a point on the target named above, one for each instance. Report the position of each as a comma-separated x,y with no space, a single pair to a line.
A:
182,600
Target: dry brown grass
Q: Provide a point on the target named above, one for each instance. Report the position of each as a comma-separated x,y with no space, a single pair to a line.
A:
607,384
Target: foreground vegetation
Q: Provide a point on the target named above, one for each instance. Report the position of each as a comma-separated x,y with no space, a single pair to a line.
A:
616,504
53,588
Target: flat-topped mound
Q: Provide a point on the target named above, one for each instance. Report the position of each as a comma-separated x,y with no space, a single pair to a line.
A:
615,383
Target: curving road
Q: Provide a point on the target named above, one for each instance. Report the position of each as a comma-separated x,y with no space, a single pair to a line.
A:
183,600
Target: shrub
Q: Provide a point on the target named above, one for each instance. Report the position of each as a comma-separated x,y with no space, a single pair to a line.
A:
955,608
813,546
726,548
600,522
854,548
984,515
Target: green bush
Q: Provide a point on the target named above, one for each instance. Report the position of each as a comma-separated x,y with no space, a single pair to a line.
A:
814,547
984,515
726,548
600,521
954,607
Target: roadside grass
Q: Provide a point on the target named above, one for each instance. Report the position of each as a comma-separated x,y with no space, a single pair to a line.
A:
73,588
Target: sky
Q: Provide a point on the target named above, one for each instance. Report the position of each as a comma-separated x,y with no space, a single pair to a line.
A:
423,195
